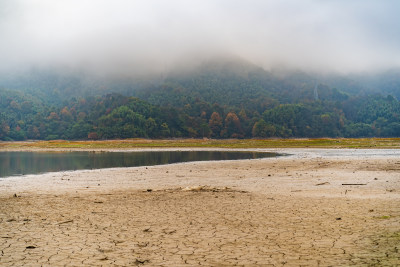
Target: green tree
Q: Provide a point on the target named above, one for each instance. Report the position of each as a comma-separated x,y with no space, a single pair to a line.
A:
165,132
151,127
262,129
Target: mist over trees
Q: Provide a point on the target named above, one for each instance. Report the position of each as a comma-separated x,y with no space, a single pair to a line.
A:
218,99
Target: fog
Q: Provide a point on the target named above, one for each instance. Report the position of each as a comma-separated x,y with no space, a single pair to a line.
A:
129,37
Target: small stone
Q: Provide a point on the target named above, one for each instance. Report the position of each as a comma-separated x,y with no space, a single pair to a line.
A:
140,261
338,219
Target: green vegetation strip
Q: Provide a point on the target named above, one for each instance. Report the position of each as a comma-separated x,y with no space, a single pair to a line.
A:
213,143
383,217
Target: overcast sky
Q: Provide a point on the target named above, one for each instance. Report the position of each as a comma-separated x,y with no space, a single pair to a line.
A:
328,35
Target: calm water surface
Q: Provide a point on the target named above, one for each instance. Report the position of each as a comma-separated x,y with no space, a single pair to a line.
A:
21,163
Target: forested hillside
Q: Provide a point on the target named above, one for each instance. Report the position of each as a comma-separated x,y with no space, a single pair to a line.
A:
226,99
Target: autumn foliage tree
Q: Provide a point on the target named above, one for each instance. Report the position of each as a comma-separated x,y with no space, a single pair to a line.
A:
4,129
233,128
93,136
215,124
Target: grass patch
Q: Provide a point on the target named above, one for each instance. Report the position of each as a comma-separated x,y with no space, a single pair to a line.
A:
384,217
210,143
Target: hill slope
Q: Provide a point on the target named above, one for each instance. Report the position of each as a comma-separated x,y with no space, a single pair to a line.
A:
220,99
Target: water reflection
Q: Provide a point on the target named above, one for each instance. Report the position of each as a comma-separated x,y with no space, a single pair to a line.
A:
21,163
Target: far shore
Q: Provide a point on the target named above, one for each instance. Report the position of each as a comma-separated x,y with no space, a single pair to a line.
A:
317,206
354,143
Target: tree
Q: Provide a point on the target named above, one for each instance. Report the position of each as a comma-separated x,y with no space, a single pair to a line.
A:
66,114
262,129
165,132
93,136
233,127
53,116
15,106
205,129
33,132
4,129
151,127
215,124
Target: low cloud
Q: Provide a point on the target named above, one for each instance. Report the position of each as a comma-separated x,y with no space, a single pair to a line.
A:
115,36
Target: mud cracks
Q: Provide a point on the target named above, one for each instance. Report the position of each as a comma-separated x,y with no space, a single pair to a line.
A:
197,227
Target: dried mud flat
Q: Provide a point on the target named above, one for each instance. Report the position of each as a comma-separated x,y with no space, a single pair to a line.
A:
304,210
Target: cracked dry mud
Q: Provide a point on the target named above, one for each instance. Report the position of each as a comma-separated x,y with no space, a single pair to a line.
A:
315,222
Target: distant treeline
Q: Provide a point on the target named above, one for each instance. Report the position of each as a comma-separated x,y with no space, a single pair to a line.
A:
216,103
116,116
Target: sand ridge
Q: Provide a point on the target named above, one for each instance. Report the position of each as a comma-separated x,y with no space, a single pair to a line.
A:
300,210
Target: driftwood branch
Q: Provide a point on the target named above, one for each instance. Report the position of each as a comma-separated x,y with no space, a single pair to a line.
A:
69,221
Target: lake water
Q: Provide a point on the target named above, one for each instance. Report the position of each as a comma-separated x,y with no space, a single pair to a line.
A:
21,163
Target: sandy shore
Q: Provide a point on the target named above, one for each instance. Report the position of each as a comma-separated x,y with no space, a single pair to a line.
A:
313,208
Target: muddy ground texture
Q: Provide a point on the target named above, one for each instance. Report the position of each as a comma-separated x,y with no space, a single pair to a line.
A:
295,211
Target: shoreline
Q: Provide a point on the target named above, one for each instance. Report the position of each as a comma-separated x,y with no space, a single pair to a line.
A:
299,160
